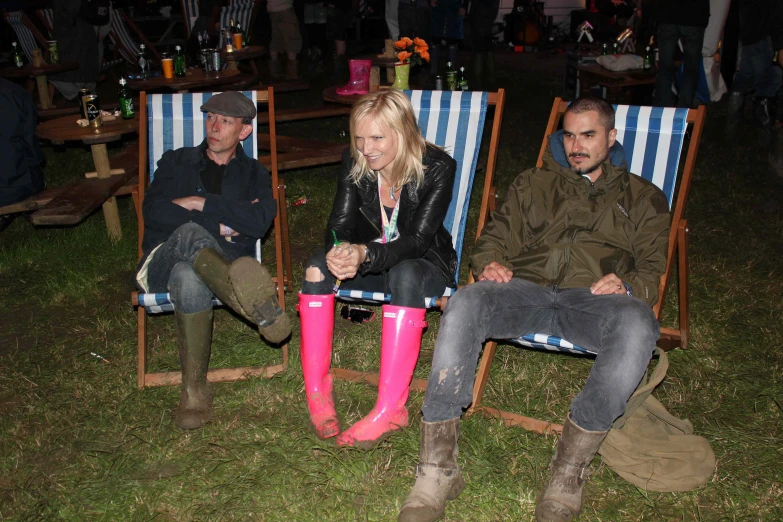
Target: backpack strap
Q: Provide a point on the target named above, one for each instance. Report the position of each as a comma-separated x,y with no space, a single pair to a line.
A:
645,389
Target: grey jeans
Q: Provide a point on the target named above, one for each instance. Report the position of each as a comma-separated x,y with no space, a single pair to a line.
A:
171,268
621,329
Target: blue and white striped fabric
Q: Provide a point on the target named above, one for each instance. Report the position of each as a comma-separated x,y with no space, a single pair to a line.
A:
190,12
453,120
23,35
240,12
47,17
121,37
175,121
652,138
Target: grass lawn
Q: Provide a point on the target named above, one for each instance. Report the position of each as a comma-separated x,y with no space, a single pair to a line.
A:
79,441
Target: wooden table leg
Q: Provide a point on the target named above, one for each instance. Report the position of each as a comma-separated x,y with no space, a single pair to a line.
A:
111,214
233,65
43,91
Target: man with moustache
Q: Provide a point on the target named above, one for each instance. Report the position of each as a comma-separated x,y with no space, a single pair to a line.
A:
576,251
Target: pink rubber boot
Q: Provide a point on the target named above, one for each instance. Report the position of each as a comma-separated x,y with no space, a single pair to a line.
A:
316,313
359,82
400,344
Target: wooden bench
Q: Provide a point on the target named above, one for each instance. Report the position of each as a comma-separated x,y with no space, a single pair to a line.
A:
70,204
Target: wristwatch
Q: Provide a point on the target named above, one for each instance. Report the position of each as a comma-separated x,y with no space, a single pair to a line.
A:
367,260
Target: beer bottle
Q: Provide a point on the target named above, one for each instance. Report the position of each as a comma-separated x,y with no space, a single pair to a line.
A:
231,26
604,50
462,82
143,63
244,35
615,49
18,60
126,101
179,62
647,64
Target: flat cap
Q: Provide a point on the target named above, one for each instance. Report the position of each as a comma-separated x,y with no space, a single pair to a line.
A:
230,103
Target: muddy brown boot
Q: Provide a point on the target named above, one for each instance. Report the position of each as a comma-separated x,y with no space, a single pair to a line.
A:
194,335
438,477
247,288
561,501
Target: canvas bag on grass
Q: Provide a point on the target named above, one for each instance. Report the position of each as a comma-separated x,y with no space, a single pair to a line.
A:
652,449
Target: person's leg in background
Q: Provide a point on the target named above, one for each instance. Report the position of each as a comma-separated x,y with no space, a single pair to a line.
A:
292,39
666,37
692,39
392,22
276,43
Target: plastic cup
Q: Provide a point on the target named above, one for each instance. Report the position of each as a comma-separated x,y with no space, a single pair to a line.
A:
237,41
168,67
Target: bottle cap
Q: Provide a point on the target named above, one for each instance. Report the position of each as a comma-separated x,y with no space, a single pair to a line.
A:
142,46
123,81
177,48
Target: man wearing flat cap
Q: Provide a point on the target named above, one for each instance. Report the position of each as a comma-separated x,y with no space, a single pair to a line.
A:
203,213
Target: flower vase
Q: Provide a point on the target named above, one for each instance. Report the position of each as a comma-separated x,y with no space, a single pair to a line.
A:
402,72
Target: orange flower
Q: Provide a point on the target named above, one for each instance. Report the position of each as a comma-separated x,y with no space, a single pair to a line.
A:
419,43
425,55
399,44
403,56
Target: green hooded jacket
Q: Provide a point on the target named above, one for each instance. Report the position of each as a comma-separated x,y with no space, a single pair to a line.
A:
557,228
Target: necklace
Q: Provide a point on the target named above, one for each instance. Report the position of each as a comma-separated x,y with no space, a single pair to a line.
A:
392,189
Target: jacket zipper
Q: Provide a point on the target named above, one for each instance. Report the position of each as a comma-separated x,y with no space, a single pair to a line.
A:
361,209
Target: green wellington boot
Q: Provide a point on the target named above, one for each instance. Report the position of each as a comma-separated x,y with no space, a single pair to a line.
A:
194,335
247,288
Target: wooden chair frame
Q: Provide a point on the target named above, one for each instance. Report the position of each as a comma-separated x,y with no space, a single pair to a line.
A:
496,99
282,260
677,254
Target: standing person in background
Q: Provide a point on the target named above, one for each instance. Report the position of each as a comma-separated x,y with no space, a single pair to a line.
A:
338,18
414,17
315,29
77,43
392,19
99,13
684,21
761,35
447,29
286,37
481,16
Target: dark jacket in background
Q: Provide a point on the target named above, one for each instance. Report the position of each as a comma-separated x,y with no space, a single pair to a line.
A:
21,158
760,19
356,217
76,41
695,13
179,175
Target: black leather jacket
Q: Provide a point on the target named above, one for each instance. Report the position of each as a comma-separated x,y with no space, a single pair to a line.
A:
356,217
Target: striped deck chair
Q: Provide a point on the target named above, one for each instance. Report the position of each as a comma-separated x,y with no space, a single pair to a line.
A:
124,42
189,13
455,121
174,121
27,34
653,139
47,19
242,12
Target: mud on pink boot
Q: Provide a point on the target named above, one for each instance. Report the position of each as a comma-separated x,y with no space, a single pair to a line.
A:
359,82
400,343
316,313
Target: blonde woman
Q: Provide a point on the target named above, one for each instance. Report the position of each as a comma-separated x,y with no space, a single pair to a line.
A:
385,234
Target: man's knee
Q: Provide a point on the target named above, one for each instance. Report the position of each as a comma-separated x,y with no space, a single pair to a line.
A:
188,293
639,326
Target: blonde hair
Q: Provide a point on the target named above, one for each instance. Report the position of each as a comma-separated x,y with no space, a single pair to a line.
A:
391,109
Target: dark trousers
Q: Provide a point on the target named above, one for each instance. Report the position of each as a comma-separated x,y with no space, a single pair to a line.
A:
408,282
757,72
692,40
621,329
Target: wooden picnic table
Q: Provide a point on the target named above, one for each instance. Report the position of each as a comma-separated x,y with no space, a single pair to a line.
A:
249,54
39,74
75,203
193,79
330,95
614,81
